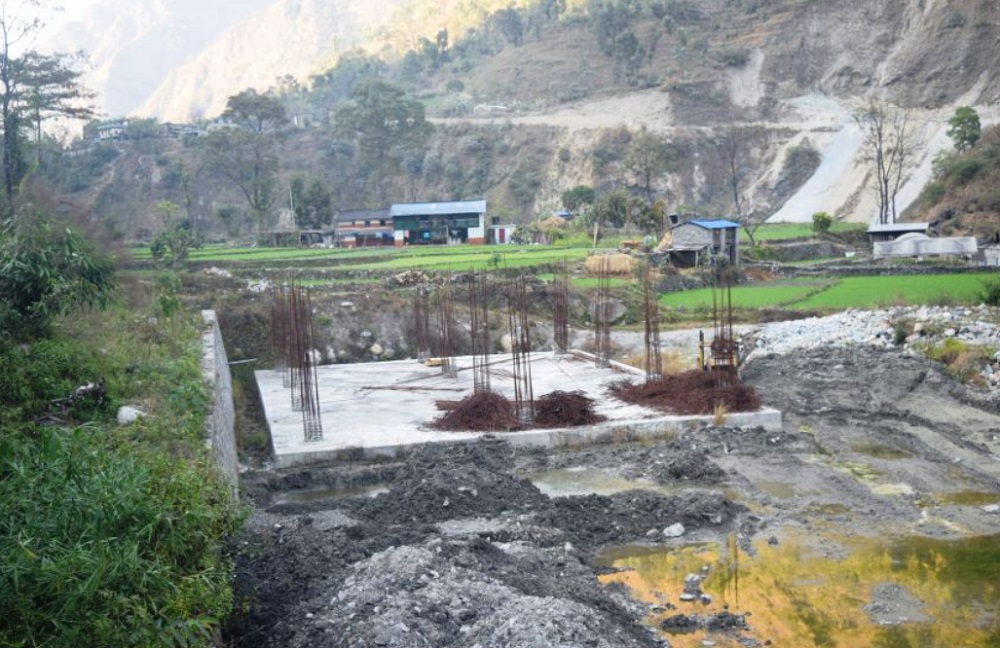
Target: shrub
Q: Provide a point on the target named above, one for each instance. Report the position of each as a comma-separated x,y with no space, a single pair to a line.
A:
963,171
932,194
822,222
48,269
990,293
734,58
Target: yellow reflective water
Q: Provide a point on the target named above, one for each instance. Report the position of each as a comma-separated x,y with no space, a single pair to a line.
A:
810,591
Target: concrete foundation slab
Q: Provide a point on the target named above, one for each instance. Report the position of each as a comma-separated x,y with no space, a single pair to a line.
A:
384,408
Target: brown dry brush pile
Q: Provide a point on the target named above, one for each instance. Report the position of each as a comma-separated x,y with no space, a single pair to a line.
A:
691,392
492,412
565,409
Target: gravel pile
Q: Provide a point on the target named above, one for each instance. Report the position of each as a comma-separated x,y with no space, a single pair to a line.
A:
906,328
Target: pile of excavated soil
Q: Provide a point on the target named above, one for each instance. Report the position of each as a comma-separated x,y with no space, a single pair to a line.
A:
691,392
458,553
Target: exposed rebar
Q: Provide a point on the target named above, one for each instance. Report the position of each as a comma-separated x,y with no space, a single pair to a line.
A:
602,315
654,359
446,326
560,309
480,331
520,338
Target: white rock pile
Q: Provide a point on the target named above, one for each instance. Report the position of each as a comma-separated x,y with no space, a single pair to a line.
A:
924,325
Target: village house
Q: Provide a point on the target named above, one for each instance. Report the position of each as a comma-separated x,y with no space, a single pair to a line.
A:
697,241
364,228
439,223
892,231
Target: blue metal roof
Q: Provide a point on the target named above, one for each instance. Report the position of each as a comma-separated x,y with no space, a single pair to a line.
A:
438,208
715,224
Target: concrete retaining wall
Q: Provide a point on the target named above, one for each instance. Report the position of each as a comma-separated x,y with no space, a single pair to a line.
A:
220,424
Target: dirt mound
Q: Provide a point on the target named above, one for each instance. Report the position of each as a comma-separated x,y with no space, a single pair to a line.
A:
594,521
565,409
469,593
448,482
691,392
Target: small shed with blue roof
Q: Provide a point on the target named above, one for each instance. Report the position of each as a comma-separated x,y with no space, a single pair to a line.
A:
702,240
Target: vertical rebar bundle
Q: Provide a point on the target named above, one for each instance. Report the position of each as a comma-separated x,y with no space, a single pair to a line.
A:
654,360
602,315
520,338
560,309
422,324
291,325
480,331
446,326
723,358
279,333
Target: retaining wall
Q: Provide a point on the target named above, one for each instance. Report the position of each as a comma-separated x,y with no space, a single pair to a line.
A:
220,424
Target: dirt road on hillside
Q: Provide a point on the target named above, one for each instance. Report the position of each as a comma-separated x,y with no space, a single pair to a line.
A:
460,547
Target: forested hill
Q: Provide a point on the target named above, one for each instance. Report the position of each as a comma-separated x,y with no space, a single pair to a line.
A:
719,105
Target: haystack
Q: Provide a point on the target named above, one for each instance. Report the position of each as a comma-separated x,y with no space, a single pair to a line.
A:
617,264
553,223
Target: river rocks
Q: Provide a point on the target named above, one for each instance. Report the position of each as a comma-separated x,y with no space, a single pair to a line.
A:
993,509
674,531
892,328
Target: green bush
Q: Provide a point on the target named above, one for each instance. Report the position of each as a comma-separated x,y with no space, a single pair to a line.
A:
822,222
990,293
964,170
34,375
933,193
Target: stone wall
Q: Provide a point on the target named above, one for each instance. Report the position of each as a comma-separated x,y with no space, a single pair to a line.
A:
220,424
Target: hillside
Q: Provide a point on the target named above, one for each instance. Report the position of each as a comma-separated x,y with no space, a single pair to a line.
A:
536,100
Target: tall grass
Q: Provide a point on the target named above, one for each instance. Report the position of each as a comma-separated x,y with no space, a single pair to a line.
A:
110,536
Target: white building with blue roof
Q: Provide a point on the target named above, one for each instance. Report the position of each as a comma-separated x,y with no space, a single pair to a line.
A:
439,223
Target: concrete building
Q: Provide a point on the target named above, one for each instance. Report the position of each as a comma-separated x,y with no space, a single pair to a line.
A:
364,228
696,240
439,223
915,245
112,130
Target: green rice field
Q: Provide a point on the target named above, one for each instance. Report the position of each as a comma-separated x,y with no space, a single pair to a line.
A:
839,294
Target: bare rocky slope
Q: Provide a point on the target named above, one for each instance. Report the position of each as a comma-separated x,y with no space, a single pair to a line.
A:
798,69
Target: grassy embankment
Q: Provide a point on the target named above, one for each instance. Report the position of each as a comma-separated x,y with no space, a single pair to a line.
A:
110,535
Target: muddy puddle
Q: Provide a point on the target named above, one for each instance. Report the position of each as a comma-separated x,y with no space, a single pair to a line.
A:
319,494
821,591
565,482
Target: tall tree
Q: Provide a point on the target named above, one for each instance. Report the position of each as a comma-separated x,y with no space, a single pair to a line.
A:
736,147
246,152
312,202
384,125
964,128
33,86
888,145
647,158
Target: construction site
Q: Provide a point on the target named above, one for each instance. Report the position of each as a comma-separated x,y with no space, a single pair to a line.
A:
818,494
